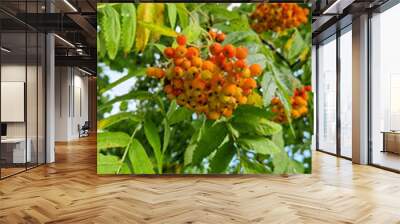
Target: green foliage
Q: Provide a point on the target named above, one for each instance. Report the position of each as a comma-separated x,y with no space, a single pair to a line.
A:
132,36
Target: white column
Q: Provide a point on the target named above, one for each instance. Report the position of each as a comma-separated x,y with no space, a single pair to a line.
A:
360,90
50,99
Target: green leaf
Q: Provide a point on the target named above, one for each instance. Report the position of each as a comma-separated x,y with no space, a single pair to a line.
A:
253,120
222,158
258,144
172,14
107,140
140,161
237,37
160,47
253,167
162,30
140,95
268,87
139,71
145,13
182,14
278,139
220,12
294,46
188,156
116,118
107,164
211,138
257,59
179,115
151,132
167,136
281,162
128,26
110,27
192,32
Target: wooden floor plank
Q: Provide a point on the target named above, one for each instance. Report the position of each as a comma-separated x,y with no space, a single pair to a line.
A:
70,191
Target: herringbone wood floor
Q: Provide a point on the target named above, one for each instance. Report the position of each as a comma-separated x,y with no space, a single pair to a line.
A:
70,191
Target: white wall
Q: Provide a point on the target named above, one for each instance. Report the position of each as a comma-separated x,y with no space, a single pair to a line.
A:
71,102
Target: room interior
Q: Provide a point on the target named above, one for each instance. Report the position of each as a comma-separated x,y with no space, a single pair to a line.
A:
27,98
42,77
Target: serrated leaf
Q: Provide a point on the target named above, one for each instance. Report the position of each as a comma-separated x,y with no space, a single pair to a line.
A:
167,136
222,158
188,156
151,132
145,13
107,140
192,32
253,120
158,20
182,14
128,26
116,118
257,59
237,37
209,141
258,144
159,29
268,87
110,27
141,95
171,7
107,164
140,161
253,167
139,71
179,115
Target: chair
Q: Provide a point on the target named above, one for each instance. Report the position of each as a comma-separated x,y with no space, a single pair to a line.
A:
84,130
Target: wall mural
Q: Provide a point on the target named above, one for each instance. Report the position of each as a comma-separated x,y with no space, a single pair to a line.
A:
196,88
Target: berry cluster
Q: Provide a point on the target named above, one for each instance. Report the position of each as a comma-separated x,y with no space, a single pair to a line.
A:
299,103
278,16
214,86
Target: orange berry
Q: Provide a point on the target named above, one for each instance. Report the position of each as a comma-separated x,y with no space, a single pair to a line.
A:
246,73
186,64
180,51
168,89
227,112
275,101
213,115
178,71
255,69
181,40
159,73
229,51
249,83
150,71
196,61
228,66
198,84
242,100
178,61
240,64
169,52
213,34
208,65
230,89
177,83
246,91
307,88
220,37
215,49
206,75
192,52
241,52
